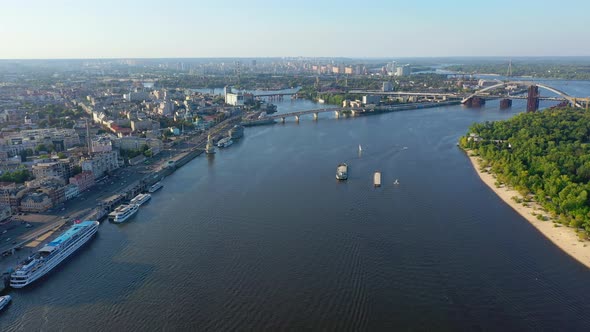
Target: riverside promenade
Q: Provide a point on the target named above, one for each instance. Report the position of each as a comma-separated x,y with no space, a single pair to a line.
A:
27,233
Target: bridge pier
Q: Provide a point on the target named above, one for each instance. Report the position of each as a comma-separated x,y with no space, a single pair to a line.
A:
337,114
296,118
353,113
282,119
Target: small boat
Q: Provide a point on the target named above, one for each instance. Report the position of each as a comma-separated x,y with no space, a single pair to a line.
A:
140,199
225,142
360,148
377,179
155,187
405,147
342,172
4,300
396,181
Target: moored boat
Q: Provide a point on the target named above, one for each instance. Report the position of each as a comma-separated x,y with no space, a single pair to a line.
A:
236,132
48,257
4,300
225,142
155,187
124,212
140,199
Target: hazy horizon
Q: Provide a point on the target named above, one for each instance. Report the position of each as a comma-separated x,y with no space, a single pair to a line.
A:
109,29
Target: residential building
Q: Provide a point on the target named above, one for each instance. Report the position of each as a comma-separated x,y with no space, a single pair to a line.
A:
35,202
144,124
11,195
234,99
83,180
137,96
60,139
166,108
55,191
403,71
101,144
59,169
5,212
371,99
71,191
101,163
136,143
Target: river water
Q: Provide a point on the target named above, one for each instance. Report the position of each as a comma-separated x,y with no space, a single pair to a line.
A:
263,237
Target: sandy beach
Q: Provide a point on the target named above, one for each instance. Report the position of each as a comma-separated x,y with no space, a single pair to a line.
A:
563,237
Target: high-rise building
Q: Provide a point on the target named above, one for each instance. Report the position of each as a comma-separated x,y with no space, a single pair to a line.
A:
403,71
387,86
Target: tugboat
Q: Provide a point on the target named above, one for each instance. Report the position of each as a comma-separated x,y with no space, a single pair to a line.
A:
4,300
210,148
342,172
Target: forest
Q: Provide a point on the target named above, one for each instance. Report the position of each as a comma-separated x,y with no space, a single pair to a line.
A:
545,155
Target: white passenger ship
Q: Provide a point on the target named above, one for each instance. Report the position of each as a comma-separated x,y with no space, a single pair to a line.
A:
123,212
140,199
48,257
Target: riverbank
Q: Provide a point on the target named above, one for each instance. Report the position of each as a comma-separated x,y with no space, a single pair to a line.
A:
563,237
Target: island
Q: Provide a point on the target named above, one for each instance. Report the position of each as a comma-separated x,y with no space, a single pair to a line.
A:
539,164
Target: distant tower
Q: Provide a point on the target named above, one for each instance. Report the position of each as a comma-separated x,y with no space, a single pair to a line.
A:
238,69
509,72
88,142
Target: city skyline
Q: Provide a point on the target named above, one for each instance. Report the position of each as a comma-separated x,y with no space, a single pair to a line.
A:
181,29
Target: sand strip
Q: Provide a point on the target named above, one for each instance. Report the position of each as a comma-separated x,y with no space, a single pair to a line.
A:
564,237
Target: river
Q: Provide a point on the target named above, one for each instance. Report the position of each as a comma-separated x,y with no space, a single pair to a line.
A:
263,237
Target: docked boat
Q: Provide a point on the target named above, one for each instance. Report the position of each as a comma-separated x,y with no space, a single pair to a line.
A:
124,212
342,172
4,300
210,147
236,132
140,199
155,187
48,257
377,179
225,142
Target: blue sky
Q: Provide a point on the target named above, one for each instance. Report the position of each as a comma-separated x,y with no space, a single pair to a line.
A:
259,28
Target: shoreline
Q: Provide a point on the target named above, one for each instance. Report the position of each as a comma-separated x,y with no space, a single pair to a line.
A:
563,237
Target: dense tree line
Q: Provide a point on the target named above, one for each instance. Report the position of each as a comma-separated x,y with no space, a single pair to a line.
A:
546,154
578,71
18,176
